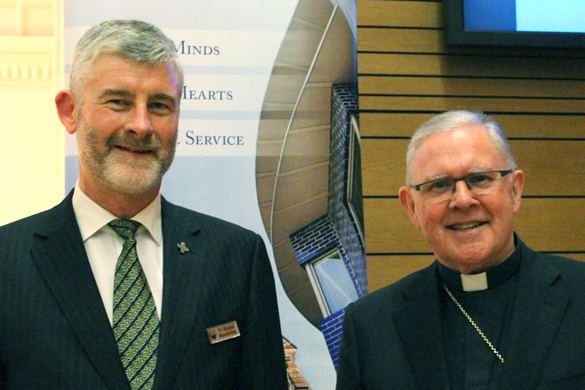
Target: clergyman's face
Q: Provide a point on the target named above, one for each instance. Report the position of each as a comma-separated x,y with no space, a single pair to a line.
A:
126,124
466,232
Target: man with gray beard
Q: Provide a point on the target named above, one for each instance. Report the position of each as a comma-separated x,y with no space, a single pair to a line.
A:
116,288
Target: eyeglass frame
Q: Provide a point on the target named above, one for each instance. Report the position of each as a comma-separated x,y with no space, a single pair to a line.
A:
503,173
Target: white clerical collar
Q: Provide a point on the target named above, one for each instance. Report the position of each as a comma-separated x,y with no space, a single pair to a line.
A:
91,217
474,282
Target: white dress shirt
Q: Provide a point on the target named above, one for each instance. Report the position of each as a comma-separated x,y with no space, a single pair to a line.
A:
103,246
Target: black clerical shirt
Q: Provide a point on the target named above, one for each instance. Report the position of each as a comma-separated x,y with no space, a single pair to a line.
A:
472,364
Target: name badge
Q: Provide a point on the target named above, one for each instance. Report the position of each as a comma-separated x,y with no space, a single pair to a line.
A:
223,332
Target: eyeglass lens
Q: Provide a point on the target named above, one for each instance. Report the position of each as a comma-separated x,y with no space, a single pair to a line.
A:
478,184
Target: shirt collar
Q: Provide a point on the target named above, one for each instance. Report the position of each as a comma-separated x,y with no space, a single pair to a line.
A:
91,217
494,276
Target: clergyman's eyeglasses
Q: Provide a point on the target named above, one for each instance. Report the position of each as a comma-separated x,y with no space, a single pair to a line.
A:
479,183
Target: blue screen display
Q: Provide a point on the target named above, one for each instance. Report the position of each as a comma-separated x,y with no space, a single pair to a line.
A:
525,15
493,15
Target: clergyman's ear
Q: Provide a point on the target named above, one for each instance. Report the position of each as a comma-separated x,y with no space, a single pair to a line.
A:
517,188
406,200
66,109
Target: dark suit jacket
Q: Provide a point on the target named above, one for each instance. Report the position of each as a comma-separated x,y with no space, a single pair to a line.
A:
393,340
55,334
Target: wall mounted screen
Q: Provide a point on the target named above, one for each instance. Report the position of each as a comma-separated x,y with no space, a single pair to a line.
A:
531,23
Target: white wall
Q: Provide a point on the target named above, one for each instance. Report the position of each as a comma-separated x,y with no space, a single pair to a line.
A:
31,137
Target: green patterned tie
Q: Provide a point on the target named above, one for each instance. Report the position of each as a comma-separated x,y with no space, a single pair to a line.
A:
135,321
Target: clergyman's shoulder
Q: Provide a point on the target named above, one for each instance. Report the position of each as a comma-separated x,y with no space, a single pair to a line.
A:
396,294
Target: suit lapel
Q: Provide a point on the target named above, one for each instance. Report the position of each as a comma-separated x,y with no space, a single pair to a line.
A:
182,284
418,324
538,312
60,256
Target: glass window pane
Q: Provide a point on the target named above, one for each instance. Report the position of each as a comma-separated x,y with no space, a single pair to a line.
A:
335,282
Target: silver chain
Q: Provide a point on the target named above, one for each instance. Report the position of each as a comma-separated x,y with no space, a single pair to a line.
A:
483,336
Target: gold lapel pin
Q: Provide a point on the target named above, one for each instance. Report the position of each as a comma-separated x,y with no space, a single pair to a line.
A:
183,248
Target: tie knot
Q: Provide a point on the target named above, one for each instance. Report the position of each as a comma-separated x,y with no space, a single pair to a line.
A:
125,228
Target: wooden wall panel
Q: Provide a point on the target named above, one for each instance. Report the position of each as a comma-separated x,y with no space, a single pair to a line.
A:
383,270
576,256
406,75
401,125
400,40
430,40
399,13
546,224
388,229
393,63
383,166
444,103
465,87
